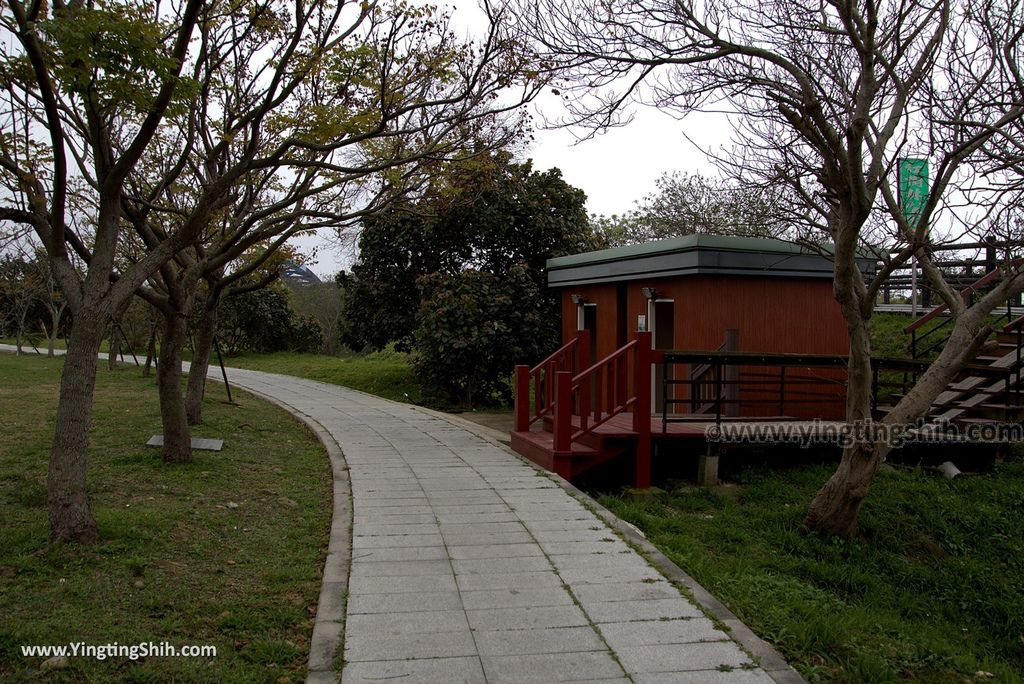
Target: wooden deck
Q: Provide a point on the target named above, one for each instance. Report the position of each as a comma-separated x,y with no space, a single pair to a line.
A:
616,437
695,426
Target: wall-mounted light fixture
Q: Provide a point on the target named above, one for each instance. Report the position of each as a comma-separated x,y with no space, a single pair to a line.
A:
649,292
577,299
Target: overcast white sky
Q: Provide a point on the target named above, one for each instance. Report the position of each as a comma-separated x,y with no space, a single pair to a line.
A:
614,169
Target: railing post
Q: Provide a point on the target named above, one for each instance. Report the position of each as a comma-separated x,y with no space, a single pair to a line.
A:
642,409
664,392
732,374
782,390
1020,329
563,411
582,358
581,361
718,392
522,399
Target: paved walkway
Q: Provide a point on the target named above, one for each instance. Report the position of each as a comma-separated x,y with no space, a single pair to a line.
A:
469,565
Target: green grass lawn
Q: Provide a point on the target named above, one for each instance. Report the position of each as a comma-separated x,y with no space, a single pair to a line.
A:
386,374
887,336
225,551
932,589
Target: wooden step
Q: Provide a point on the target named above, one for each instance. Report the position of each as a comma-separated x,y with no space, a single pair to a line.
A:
539,447
1007,338
997,411
980,396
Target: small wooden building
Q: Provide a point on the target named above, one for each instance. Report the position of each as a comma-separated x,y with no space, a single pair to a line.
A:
775,297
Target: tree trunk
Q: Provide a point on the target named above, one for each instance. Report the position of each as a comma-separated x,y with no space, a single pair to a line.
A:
200,364
115,347
177,437
836,507
70,518
55,315
20,335
150,349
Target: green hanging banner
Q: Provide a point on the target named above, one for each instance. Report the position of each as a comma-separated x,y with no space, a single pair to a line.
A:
913,189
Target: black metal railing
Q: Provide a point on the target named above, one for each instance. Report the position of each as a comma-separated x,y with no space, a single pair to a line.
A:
788,382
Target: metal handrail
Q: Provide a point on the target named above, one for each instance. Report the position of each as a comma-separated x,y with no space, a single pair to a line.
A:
964,293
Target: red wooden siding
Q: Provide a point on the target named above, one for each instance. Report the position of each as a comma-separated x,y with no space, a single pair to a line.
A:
772,314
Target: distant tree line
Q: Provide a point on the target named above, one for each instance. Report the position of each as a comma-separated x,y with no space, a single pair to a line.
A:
691,204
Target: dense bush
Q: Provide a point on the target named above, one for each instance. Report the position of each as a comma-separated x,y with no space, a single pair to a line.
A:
474,327
263,321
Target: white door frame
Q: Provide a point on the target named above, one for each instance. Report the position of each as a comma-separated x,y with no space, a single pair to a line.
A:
652,324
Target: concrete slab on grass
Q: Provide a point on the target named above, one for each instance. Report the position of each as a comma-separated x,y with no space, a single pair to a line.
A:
198,443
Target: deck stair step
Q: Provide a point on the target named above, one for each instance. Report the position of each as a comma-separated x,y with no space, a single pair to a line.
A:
539,447
997,411
977,398
546,441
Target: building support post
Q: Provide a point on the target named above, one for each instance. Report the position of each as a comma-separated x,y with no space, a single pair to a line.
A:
642,409
707,467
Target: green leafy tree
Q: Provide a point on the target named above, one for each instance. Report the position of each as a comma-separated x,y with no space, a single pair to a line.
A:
396,248
86,88
169,116
490,215
473,328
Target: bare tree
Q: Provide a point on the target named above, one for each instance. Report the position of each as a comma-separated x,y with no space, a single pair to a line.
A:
824,99
22,288
91,91
85,90
271,150
54,300
685,204
325,302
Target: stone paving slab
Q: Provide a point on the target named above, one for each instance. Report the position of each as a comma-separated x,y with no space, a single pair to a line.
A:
471,565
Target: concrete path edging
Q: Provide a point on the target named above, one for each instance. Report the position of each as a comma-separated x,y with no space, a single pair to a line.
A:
774,665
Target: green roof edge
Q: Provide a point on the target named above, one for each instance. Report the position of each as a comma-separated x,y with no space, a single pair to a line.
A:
686,243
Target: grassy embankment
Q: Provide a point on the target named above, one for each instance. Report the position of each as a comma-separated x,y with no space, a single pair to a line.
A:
386,374
225,551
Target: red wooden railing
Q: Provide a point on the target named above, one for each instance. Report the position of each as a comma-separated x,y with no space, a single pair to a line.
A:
964,294
593,396
570,357
917,339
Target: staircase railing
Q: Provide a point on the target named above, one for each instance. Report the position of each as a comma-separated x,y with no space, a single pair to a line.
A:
923,342
706,385
1017,326
535,387
603,391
